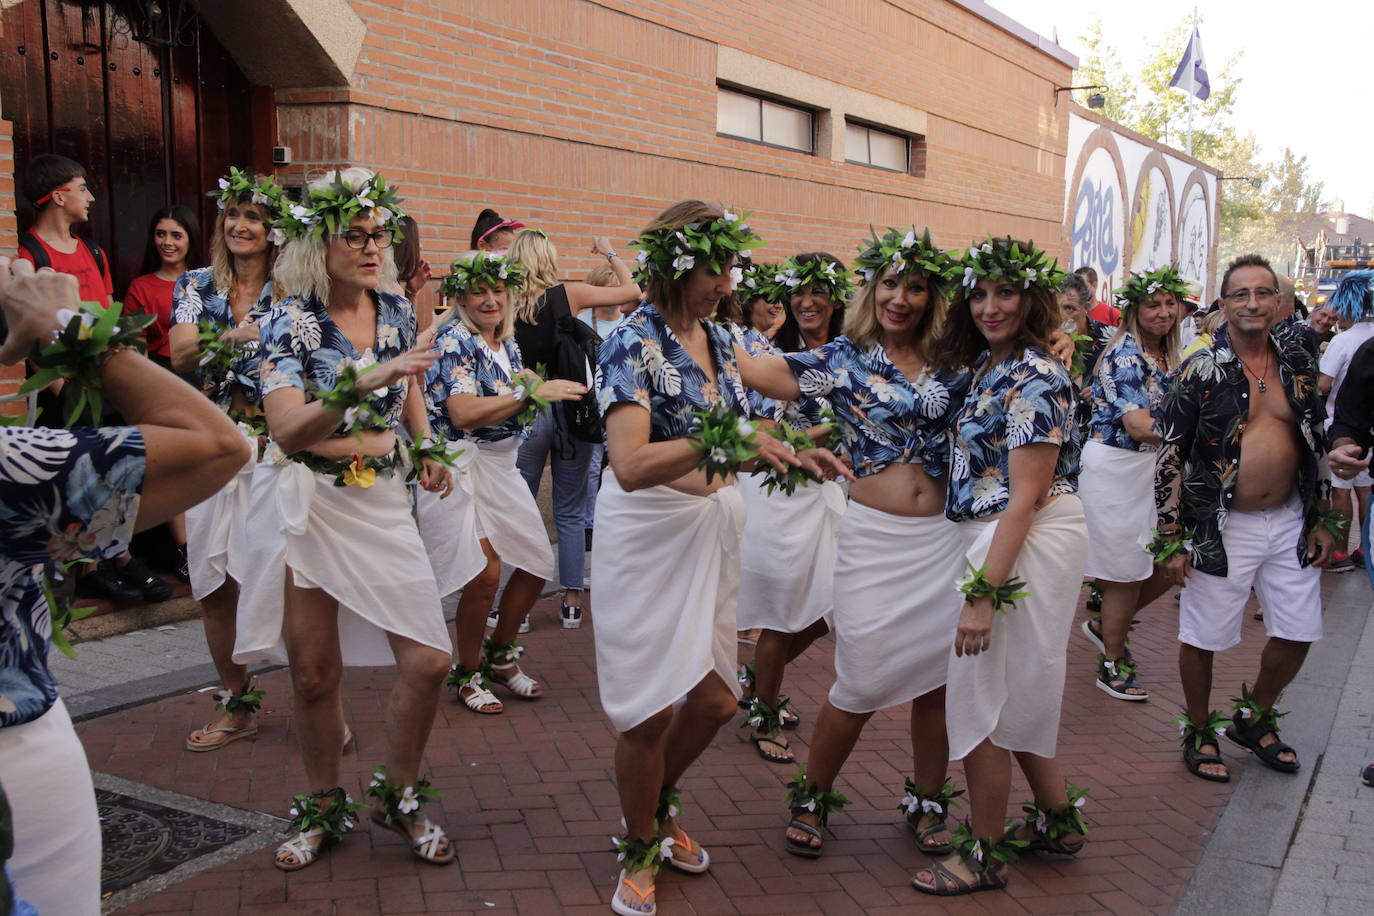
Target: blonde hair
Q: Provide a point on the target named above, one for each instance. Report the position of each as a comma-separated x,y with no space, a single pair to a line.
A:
861,318
458,310
300,268
602,275
537,255
222,262
1130,324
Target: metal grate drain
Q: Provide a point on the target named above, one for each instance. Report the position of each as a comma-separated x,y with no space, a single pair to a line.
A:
142,838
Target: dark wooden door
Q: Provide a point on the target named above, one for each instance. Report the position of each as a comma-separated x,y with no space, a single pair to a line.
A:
156,111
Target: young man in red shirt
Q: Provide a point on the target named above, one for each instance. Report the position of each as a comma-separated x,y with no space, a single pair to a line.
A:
1103,311
57,188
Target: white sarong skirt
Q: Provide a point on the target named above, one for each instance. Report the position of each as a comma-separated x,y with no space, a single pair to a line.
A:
1012,693
506,514
214,529
448,526
896,608
665,576
1117,489
787,556
360,545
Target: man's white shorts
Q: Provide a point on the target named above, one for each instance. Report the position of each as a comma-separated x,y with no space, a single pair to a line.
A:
1261,552
1361,479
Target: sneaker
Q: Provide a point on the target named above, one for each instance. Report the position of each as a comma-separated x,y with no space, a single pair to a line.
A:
1357,557
493,618
106,583
1340,563
524,625
150,586
571,616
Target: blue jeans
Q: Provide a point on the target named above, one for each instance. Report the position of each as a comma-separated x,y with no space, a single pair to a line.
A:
570,456
593,482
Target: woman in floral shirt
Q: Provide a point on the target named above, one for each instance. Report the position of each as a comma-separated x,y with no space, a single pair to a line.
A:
341,576
665,562
1011,490
230,296
479,397
1117,484
897,553
787,554
65,496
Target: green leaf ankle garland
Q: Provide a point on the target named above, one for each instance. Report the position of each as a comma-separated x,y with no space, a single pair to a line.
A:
308,812
723,440
635,854
229,702
937,804
669,805
78,354
500,655
971,848
820,802
1199,735
1115,669
397,799
975,584
793,476
765,718
1056,822
1251,712
433,449
459,677
1163,549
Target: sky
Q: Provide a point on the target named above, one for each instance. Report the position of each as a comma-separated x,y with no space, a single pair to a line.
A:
1302,77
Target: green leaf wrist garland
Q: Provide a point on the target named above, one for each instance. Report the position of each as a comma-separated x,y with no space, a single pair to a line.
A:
1334,522
975,584
1010,261
432,448
1140,288
904,253
78,354
670,253
724,440
793,476
482,269
526,389
353,399
1163,549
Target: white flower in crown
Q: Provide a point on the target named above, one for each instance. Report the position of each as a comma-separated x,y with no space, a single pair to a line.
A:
408,802
829,269
792,280
729,217
1030,276
909,239
304,214
277,236
986,248
970,278
973,252
718,456
642,258
383,214
682,238
737,275
367,203
684,262
224,184
868,274
260,198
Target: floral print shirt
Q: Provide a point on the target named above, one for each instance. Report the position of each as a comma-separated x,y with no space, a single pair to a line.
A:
65,495
466,366
1127,379
194,299
800,414
1026,398
885,418
1202,419
303,348
642,362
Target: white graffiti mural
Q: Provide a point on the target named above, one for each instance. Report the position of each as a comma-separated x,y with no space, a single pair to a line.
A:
1099,222
1195,238
1152,229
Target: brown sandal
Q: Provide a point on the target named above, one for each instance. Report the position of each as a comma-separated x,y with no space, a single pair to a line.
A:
945,883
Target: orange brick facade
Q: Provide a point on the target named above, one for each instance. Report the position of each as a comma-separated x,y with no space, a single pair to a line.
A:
588,117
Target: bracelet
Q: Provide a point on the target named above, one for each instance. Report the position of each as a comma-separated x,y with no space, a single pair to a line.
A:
611,255
975,584
104,358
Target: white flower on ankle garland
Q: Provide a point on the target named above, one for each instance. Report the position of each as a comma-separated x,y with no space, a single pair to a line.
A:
408,801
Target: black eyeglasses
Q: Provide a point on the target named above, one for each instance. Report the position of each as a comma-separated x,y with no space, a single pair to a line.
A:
357,238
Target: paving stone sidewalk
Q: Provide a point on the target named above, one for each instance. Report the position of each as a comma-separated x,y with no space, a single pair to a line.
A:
530,801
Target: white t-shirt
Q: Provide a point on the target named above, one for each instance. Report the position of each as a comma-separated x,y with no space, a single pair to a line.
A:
1336,360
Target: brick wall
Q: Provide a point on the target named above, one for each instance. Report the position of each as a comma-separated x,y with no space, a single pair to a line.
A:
588,117
9,239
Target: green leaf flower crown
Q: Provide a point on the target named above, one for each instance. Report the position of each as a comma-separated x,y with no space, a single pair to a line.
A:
1006,259
482,269
906,252
833,280
1139,287
669,253
240,187
330,210
757,282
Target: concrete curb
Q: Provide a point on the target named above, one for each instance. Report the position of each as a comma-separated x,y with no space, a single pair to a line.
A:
1239,870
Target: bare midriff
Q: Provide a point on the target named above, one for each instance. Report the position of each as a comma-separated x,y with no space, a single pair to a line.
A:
1268,452
375,444
901,489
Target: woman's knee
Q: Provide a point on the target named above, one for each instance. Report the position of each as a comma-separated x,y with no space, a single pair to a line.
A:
651,729
425,665
316,680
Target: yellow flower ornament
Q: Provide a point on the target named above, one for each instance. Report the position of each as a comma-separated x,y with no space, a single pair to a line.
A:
357,475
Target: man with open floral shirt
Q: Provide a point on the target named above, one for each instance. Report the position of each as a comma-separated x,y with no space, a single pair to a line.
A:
1241,478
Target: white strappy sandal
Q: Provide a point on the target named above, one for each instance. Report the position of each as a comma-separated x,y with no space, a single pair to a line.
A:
302,848
518,683
426,846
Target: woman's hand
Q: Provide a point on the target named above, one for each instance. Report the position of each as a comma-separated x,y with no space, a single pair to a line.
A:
975,627
824,464
1177,567
779,454
411,362
1347,460
436,478
559,389
417,280
602,246
426,337
248,332
36,304
1061,347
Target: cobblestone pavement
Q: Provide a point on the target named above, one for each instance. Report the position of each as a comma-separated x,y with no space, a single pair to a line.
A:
530,801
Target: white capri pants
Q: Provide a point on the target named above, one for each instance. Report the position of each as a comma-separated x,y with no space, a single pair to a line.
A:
1261,552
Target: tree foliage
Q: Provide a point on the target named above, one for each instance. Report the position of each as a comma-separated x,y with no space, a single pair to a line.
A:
1264,219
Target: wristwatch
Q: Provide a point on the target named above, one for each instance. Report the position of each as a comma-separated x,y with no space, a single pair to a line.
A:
611,255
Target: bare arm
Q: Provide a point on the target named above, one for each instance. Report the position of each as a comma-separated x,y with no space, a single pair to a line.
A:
1140,425
473,411
1324,383
637,462
769,375
185,347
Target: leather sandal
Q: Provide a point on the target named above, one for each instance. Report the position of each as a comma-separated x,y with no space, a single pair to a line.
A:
804,848
428,846
227,735
991,876
503,668
472,691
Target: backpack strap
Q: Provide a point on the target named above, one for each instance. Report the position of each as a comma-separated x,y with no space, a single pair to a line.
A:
30,243
96,254
556,298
